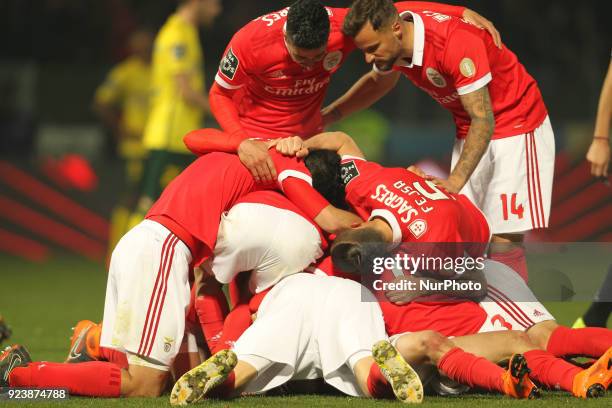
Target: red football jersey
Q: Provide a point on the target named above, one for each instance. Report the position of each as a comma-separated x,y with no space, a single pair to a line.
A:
416,209
276,96
198,196
453,58
450,317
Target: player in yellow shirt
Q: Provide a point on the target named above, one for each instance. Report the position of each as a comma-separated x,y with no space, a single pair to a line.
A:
178,99
122,104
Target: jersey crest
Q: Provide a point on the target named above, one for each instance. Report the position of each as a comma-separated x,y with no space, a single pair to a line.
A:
418,228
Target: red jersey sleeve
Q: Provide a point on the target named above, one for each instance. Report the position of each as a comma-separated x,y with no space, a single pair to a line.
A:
295,181
304,196
224,110
466,60
455,11
234,66
202,141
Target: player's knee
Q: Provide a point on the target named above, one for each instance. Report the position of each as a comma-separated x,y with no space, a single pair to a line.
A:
540,333
436,345
520,342
422,347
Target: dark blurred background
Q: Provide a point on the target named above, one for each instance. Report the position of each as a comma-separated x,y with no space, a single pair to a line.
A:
62,49
54,53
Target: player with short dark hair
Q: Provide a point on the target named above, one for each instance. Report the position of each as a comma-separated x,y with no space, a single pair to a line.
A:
377,13
307,25
503,158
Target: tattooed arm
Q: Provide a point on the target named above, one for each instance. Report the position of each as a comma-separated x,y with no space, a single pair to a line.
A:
478,106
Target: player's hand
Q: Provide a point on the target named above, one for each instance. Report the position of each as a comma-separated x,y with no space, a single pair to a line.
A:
449,184
479,21
292,146
416,170
413,291
255,157
599,157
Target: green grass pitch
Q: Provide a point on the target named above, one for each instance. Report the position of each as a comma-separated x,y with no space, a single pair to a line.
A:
41,302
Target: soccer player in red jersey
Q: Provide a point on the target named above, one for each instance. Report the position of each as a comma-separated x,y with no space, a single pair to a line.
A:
276,70
400,209
148,285
504,154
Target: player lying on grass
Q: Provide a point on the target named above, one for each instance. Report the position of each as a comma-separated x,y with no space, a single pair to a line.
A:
402,207
407,323
148,284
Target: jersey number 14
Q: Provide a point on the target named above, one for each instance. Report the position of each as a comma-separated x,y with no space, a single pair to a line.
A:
511,207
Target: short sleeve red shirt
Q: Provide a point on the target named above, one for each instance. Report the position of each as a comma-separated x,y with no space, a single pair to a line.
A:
276,96
453,58
416,209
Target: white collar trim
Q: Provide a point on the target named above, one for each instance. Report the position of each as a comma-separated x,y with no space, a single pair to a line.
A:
419,39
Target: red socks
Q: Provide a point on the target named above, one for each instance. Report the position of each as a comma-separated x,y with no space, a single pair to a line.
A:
466,368
211,310
589,341
236,322
378,386
92,379
515,259
114,356
551,371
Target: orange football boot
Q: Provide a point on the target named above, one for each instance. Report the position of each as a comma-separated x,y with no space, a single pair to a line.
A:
517,383
595,380
85,342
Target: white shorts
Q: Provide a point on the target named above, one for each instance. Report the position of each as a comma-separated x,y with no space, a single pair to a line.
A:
147,295
272,242
510,304
512,184
309,327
